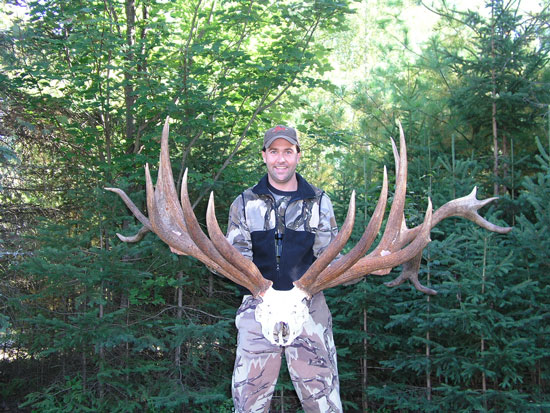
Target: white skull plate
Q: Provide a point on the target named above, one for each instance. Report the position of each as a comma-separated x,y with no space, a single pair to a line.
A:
282,315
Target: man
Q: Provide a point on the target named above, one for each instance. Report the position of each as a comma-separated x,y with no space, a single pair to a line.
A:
282,224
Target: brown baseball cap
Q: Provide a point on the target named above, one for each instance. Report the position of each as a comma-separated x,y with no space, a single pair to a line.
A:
281,131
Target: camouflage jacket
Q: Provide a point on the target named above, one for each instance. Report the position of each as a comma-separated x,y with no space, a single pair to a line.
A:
282,247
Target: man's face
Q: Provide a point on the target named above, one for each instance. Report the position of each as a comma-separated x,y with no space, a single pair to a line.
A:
281,159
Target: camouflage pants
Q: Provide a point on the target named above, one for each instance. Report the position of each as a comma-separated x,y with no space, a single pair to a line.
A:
311,361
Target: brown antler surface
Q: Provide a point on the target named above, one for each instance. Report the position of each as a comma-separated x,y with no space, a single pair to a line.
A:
465,207
320,273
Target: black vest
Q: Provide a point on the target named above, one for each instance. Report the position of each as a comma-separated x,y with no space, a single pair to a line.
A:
296,255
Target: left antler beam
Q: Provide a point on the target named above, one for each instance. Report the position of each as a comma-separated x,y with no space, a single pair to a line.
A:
178,227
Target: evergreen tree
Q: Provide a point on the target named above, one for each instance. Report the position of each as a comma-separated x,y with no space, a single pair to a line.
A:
499,93
85,87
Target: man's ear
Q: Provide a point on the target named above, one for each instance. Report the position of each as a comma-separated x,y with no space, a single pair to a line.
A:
263,156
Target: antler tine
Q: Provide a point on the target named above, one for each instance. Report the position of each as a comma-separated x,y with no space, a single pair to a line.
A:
464,207
132,207
247,279
395,217
369,264
467,207
410,272
137,213
308,280
396,157
165,211
134,238
330,273
251,275
174,236
193,226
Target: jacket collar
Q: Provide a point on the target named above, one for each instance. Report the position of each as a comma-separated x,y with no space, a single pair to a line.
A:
304,191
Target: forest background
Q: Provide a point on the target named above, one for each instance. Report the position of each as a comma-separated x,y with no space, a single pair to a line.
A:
89,323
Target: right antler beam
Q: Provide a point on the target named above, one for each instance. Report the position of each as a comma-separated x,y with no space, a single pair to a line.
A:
399,244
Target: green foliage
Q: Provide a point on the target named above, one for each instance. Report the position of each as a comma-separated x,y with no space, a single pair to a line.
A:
88,323
496,94
476,346
101,325
117,330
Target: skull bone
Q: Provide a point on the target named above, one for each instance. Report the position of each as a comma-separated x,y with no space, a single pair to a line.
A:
282,315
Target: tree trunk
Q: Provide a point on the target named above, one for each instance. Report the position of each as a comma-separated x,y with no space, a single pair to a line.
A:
101,348
210,285
364,364
428,347
364,361
129,97
494,112
84,358
179,315
482,344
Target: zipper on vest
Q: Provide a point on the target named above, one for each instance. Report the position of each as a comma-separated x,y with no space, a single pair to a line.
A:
279,235
278,248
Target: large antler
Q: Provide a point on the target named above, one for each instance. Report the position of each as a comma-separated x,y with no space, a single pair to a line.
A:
399,244
178,227
383,256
